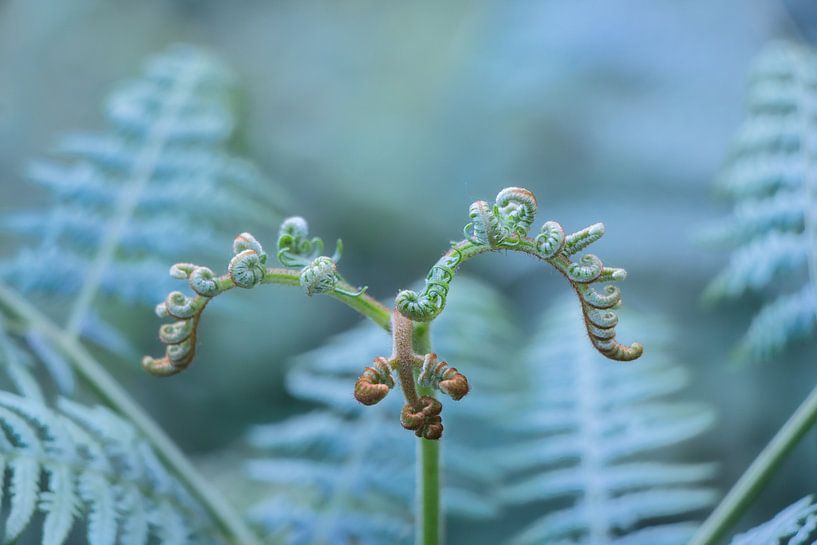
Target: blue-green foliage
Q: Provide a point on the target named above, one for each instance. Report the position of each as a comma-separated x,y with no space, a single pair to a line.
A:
771,177
157,187
590,431
558,426
344,473
80,466
795,525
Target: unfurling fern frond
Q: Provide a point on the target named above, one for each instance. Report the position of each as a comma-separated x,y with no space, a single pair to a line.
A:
591,430
772,176
794,525
157,184
343,473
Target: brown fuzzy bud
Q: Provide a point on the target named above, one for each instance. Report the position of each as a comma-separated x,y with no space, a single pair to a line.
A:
456,386
423,418
437,374
374,383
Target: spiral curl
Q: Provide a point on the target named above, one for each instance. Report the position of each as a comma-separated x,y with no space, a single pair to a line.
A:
295,248
321,276
426,306
551,239
504,226
516,209
438,375
375,382
423,417
246,269
586,270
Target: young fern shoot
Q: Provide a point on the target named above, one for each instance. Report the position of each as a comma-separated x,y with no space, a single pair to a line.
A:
501,226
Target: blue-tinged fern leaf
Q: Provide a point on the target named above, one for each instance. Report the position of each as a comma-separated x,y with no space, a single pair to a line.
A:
344,473
795,525
96,468
129,201
772,177
591,430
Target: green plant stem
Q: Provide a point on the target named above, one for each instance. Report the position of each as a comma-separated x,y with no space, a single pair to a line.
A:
428,521
364,304
752,481
112,394
428,524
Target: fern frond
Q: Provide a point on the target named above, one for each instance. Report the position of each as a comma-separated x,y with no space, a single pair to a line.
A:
795,525
353,470
591,430
126,200
771,177
77,462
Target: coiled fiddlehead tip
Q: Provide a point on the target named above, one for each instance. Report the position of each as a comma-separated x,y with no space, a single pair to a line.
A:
438,374
294,226
374,383
246,269
516,210
203,281
551,239
244,242
161,367
320,276
414,306
423,417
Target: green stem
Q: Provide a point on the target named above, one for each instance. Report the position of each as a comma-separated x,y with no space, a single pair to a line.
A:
364,304
429,520
753,480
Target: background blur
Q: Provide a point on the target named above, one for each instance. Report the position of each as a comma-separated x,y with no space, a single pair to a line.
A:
385,120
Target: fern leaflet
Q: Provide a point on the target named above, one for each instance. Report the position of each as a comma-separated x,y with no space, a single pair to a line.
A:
343,474
771,177
590,428
128,200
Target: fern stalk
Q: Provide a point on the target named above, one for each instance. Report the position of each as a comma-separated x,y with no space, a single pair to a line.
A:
753,480
109,391
428,521
143,171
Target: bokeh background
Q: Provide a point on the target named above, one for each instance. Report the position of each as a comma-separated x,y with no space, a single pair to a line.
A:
383,120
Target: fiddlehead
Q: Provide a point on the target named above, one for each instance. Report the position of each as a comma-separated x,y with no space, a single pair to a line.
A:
438,375
420,413
295,248
247,269
504,226
375,382
423,417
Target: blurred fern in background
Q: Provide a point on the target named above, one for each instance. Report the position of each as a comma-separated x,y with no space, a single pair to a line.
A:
588,436
76,463
795,525
157,186
770,176
344,473
555,423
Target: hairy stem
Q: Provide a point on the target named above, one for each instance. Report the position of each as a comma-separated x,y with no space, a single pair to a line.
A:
754,479
429,520
113,395
364,304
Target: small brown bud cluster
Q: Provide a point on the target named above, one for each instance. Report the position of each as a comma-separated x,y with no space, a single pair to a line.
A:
423,418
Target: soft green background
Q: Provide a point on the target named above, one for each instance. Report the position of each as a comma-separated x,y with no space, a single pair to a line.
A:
385,119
